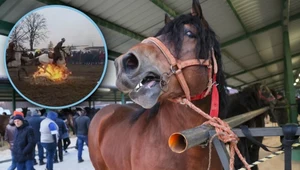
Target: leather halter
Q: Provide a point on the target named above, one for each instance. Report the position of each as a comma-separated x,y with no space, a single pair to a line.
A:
270,98
176,67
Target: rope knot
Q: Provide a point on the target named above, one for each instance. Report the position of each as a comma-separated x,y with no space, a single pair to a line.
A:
224,133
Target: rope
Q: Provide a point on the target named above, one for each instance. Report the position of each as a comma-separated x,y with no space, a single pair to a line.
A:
210,149
223,132
269,157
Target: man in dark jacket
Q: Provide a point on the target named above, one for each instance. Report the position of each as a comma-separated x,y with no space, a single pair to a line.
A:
82,124
9,137
57,50
34,121
23,144
61,130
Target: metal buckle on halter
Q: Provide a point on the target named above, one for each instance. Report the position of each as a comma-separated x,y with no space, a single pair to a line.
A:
173,69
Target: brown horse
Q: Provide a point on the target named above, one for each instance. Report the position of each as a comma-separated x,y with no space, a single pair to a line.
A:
130,137
68,115
4,119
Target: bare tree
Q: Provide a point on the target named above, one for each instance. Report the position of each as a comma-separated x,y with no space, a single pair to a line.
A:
35,26
18,35
50,46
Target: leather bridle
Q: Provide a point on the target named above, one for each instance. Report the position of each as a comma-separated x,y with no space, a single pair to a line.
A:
176,67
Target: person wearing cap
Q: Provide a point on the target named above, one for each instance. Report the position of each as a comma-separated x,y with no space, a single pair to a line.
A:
49,137
23,147
18,113
34,121
9,137
57,50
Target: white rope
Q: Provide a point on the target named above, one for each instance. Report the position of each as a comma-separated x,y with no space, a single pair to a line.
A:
269,157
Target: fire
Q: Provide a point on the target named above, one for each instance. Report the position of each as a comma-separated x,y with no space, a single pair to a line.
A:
52,72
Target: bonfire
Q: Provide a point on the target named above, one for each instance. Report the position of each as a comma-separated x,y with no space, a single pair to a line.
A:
51,73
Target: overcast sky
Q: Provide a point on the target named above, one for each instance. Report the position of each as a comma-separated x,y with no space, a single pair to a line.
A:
71,25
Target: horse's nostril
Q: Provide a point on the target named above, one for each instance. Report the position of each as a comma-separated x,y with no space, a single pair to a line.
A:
130,62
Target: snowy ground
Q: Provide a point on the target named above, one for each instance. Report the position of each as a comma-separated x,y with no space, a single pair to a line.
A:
70,160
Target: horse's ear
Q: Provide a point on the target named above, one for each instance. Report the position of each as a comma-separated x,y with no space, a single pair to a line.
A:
167,19
197,11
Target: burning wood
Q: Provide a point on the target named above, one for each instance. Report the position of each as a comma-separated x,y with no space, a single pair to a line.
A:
52,72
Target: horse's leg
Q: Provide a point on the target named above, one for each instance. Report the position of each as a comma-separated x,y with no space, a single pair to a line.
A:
243,146
254,149
71,123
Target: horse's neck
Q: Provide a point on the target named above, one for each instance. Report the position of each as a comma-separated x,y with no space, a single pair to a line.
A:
183,116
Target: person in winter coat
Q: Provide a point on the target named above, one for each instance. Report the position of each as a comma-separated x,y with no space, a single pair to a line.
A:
34,121
66,138
61,130
24,143
82,124
9,137
57,50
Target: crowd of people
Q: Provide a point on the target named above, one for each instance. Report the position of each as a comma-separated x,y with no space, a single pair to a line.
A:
87,57
48,133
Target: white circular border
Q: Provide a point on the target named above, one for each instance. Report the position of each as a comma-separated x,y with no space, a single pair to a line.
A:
98,83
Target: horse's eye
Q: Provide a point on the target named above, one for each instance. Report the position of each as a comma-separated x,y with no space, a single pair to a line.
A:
190,34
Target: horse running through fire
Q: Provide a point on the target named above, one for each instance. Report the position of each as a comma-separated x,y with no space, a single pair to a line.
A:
183,60
46,59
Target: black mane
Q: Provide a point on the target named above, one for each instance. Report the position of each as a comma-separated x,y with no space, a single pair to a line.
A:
206,40
244,101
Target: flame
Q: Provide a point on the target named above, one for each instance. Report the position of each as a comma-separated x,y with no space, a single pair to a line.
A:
52,72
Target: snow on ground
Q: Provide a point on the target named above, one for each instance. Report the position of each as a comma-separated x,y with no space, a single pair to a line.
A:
70,160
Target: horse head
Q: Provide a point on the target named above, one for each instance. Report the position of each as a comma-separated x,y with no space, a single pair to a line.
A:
266,95
260,94
179,61
67,51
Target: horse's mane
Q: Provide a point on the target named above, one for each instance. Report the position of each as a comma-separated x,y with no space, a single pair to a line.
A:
206,40
244,101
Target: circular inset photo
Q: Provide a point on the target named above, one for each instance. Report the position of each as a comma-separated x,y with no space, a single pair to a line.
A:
55,57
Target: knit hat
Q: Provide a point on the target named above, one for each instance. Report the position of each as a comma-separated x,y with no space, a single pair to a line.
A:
20,117
18,113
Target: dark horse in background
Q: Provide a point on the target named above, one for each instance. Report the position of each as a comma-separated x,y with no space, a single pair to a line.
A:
179,62
280,111
69,115
4,119
251,98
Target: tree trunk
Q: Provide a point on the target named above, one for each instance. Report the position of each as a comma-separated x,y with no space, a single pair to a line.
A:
31,45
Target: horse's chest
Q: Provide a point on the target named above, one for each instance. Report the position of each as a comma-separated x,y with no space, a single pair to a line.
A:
153,153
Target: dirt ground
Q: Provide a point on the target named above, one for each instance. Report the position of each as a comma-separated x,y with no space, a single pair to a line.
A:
79,84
